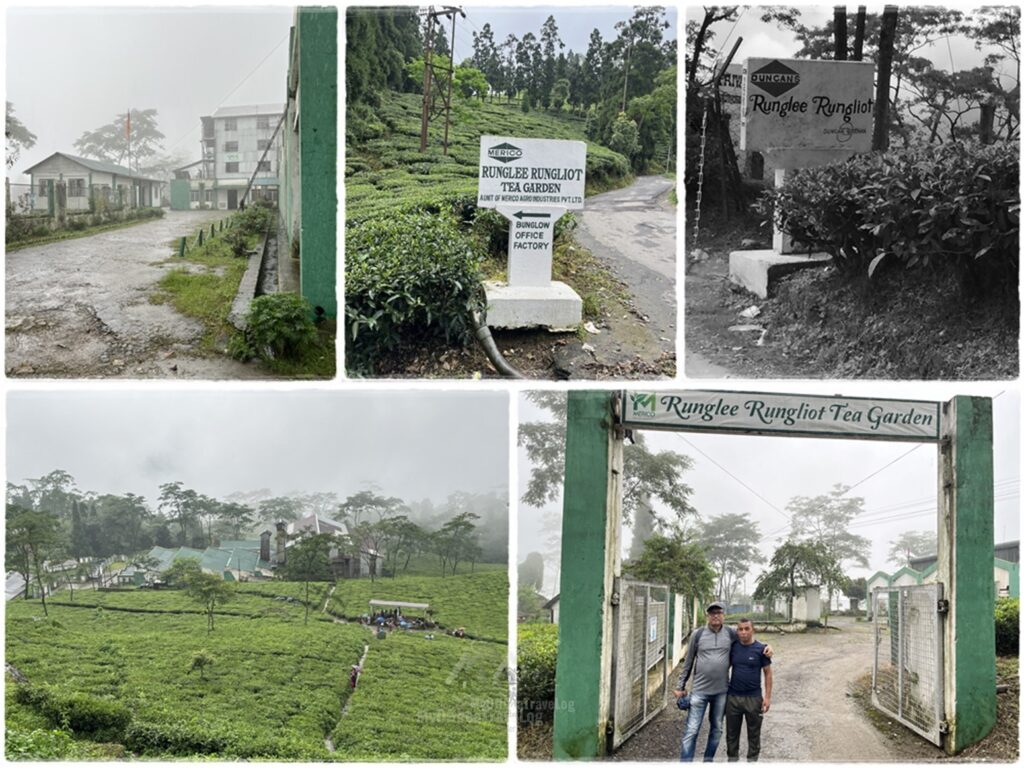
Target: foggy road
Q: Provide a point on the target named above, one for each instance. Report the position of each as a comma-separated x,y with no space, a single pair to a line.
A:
81,308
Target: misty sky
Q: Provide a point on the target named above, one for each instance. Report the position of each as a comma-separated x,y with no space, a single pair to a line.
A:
899,498
769,41
71,70
410,444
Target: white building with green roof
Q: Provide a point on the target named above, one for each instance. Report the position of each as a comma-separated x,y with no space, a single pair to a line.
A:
89,181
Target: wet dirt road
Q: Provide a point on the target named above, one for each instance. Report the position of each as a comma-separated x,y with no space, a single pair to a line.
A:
812,718
633,231
81,308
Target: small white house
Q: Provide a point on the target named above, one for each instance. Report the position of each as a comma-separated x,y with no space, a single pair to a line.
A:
116,185
806,604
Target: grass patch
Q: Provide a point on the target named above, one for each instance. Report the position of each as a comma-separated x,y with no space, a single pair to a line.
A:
205,294
318,362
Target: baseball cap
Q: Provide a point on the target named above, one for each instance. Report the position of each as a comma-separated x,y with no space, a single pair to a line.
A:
715,606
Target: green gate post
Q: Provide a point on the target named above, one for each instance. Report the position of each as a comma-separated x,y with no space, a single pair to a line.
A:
181,248
51,198
213,231
966,561
199,240
591,519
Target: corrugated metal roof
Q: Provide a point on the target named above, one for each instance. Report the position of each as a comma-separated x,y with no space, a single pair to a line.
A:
96,165
250,110
399,604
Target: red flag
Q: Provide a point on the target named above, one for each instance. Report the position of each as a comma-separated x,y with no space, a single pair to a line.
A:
128,124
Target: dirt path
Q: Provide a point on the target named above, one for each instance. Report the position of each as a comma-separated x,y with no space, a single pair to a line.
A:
80,308
813,717
633,232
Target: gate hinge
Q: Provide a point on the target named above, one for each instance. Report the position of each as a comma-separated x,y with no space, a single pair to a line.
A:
943,606
609,733
944,726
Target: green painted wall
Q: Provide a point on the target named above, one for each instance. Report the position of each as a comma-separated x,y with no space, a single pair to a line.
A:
317,37
973,631
578,732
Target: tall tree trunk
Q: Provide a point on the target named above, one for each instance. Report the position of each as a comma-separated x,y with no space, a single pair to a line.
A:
886,39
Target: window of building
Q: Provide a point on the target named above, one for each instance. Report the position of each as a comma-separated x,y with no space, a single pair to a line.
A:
230,124
262,144
264,165
263,121
209,195
194,196
230,146
230,167
76,187
44,186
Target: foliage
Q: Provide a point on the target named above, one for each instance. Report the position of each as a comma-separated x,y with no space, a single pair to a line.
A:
911,544
530,604
625,136
209,590
730,543
379,42
536,662
1008,626
278,326
477,601
254,219
646,474
32,538
40,744
100,718
201,661
17,137
181,571
950,209
794,564
309,560
420,699
409,276
680,564
113,142
531,571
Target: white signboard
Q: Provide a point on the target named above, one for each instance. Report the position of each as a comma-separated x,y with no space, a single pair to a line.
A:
531,172
801,104
652,629
769,413
531,239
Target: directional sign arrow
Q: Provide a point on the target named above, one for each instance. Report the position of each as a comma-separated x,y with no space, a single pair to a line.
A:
521,215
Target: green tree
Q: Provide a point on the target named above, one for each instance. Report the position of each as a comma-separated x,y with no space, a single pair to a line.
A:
17,136
113,142
794,564
911,544
559,94
236,516
364,504
681,565
625,138
730,541
379,43
309,560
179,505
470,82
209,590
550,44
487,59
279,509
530,604
181,571
201,661
33,538
456,542
531,571
646,475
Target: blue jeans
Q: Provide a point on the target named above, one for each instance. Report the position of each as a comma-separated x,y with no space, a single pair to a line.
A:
698,703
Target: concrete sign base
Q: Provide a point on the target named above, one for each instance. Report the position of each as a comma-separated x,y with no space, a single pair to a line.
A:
756,270
555,306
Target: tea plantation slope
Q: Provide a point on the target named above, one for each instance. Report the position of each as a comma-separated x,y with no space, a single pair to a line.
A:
476,601
420,699
385,172
275,688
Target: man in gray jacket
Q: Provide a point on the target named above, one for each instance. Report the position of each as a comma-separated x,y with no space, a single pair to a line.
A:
707,664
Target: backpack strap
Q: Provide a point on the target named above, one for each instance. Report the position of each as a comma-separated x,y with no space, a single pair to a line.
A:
691,658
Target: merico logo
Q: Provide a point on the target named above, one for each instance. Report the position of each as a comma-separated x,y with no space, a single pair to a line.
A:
775,78
504,153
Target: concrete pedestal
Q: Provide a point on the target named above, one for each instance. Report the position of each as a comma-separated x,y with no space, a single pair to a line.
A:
756,270
556,306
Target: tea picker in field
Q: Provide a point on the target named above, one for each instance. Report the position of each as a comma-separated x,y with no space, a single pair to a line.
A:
707,666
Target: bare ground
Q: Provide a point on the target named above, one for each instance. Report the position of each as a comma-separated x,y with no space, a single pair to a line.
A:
80,308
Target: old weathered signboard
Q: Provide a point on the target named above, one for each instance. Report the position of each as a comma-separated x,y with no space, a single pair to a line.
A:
802,104
533,172
769,413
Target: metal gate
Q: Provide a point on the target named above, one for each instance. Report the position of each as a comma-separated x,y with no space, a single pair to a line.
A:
640,665
907,679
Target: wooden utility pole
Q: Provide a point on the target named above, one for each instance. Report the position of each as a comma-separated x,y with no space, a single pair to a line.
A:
840,32
858,35
886,39
429,73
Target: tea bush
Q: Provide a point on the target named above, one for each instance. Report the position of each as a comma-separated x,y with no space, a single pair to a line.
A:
536,659
951,209
1008,626
407,276
278,325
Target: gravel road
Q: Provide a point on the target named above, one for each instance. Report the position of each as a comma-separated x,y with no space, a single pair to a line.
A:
80,308
813,717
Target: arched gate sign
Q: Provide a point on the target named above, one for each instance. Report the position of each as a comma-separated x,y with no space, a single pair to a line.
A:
598,421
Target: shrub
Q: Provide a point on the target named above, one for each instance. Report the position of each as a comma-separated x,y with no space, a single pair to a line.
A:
536,659
950,208
38,744
1008,626
254,220
411,274
101,719
278,325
